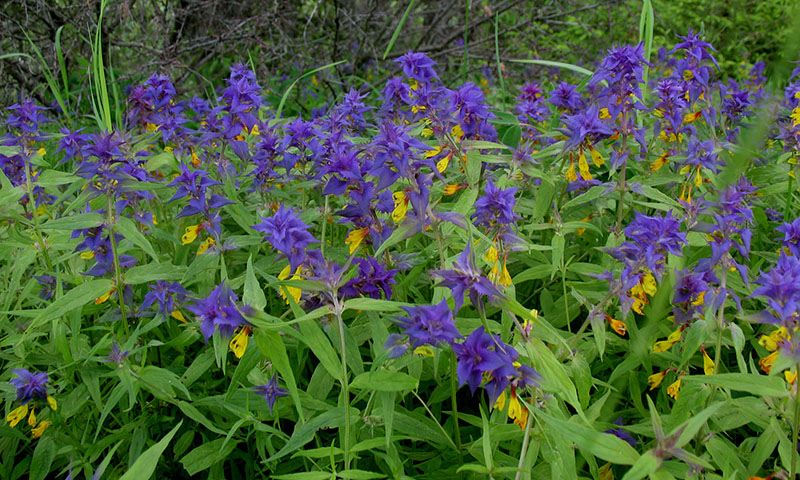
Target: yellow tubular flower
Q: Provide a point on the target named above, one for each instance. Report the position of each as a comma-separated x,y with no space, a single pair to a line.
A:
356,237
424,351
708,364
436,151
190,234
767,362
208,243
617,325
293,291
505,276
38,431
500,403
571,175
16,415
87,255
400,207
790,377
657,164
442,164
597,159
238,343
655,379
177,315
583,166
104,297
491,255
32,418
52,403
674,389
517,411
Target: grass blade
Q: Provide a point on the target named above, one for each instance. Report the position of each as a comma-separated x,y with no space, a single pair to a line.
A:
397,30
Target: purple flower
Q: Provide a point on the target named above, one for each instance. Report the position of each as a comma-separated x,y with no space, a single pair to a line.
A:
622,434
29,384
791,236
372,279
397,345
271,391
417,66
483,354
495,207
429,324
584,125
163,293
463,278
287,234
115,356
566,96
781,286
218,312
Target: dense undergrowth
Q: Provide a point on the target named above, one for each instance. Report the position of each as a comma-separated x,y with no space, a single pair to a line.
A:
599,281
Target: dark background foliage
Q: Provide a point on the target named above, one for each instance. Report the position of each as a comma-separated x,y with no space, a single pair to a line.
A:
195,41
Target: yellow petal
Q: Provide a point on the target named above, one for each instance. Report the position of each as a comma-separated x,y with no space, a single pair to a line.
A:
442,164
583,166
87,255
32,418
708,364
618,326
674,389
505,276
655,379
432,153
500,403
208,243
190,234
355,238
790,377
571,175
767,362
400,207
16,415
238,343
491,255
177,315
424,351
597,159
104,297
52,403
38,431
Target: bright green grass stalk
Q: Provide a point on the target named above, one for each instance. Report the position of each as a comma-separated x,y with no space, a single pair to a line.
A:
397,30
37,229
117,271
338,308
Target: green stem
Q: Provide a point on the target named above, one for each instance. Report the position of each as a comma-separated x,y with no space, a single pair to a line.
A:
524,450
337,306
453,389
37,229
117,270
564,289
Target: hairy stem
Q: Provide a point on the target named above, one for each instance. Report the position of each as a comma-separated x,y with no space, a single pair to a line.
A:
337,306
37,229
117,270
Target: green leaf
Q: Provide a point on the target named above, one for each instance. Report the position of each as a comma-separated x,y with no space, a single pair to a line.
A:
758,385
359,475
271,345
303,434
150,272
53,177
128,229
206,455
248,362
43,456
550,63
145,465
644,466
75,222
253,293
602,445
385,381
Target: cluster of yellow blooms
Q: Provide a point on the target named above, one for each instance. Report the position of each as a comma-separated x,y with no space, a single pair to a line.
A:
37,427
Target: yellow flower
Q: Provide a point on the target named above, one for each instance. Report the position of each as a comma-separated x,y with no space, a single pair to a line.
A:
505,276
796,116
436,151
456,132
38,431
597,159
42,151
604,113
195,160
657,164
400,207
774,339
665,345
517,411
491,255
16,415
293,291
424,351
169,149
87,255
442,164
52,403
708,364
452,189
177,315
640,291
688,75
617,325
767,362
655,379
255,131
692,116
239,342
674,389
418,108
583,166
150,127
790,377
205,245
571,175
190,234
500,403
104,297
355,237
32,418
